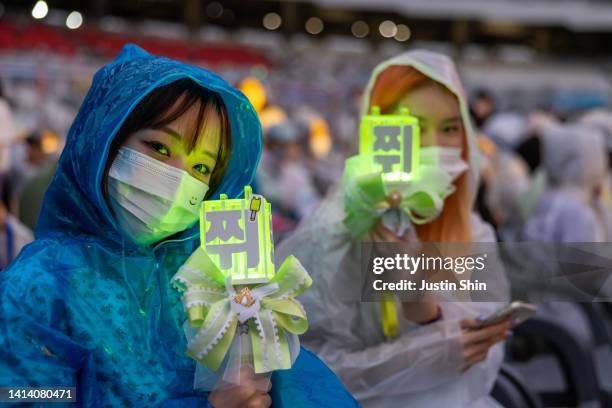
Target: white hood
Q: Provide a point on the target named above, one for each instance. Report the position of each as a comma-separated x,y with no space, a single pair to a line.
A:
575,155
441,69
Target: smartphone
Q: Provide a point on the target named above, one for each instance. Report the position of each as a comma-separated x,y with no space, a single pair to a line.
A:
517,311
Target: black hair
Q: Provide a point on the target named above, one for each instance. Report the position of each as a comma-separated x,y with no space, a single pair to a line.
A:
530,149
159,108
34,139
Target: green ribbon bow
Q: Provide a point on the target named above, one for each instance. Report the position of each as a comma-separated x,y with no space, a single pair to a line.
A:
215,309
365,194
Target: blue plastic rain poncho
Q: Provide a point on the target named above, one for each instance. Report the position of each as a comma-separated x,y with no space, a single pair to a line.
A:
84,306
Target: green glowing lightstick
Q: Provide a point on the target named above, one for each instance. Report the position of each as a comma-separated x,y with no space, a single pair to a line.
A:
237,234
393,141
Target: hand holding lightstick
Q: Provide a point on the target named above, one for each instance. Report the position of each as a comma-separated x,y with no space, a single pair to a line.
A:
242,312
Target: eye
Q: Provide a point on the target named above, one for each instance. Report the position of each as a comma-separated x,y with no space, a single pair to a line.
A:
202,169
450,129
158,147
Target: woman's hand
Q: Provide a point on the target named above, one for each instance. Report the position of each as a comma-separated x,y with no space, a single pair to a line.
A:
248,394
239,397
380,233
478,341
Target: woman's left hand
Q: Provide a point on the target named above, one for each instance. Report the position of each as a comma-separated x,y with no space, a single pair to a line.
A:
380,233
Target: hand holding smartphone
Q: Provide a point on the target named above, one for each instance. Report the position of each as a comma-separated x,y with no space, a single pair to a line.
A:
517,311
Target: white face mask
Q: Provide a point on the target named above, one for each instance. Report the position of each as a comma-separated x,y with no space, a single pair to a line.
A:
152,200
447,158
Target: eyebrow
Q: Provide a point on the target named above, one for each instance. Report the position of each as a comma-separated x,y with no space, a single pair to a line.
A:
180,138
172,133
210,154
453,119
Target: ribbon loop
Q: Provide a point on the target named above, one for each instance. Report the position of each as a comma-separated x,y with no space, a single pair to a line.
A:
365,193
215,308
291,278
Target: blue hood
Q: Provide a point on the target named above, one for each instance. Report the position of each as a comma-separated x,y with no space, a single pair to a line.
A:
77,309
74,203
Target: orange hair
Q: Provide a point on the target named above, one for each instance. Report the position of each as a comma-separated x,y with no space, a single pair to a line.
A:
453,224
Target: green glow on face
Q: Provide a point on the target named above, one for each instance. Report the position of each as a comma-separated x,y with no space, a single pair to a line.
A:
237,234
393,141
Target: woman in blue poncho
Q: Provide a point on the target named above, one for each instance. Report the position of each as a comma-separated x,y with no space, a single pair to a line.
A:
89,304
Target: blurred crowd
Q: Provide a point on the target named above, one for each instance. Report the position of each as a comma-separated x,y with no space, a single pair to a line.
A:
545,174
26,169
544,171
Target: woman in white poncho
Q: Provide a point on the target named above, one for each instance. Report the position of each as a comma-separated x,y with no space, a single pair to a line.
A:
437,357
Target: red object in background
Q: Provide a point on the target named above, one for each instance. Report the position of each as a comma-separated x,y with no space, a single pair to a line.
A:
282,225
63,41
7,36
43,37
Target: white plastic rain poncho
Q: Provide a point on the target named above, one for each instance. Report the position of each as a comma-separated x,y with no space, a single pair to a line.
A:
506,192
423,365
506,129
7,134
575,163
602,120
